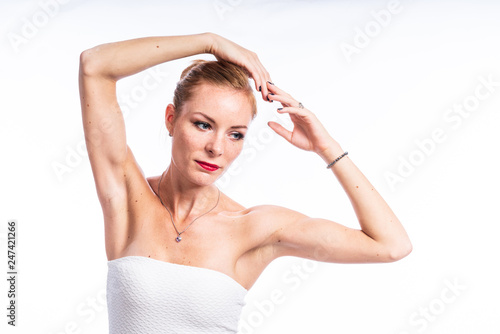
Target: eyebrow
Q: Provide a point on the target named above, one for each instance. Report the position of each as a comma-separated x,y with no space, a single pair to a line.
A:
211,120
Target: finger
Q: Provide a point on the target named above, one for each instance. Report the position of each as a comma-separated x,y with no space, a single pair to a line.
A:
271,90
294,111
276,90
260,85
265,91
255,72
263,77
279,129
259,82
286,101
257,79
279,98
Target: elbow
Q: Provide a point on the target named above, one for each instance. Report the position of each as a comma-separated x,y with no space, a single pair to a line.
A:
88,63
399,252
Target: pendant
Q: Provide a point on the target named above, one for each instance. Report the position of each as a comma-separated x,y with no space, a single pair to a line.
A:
178,239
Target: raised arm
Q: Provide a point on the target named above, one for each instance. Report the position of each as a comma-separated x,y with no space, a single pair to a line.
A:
381,238
100,68
120,59
113,165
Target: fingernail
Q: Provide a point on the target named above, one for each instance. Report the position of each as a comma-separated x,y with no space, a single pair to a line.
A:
267,97
270,82
280,109
259,88
271,93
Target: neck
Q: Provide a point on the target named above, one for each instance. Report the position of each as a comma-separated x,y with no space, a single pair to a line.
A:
184,199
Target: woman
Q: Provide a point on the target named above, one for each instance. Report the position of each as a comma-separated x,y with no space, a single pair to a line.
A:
182,254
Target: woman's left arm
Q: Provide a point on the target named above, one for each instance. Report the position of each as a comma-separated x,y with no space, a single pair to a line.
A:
382,238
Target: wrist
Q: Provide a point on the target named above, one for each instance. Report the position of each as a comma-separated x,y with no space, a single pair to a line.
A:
332,152
209,42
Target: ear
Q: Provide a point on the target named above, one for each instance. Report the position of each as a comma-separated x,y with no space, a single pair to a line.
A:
170,117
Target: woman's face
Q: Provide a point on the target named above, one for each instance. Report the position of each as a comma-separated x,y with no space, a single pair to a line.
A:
208,132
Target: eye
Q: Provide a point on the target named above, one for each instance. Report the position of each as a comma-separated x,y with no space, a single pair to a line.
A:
202,125
237,135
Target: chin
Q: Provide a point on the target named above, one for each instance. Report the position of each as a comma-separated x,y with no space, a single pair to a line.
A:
204,178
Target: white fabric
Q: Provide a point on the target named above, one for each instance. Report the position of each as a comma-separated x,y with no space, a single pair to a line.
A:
145,295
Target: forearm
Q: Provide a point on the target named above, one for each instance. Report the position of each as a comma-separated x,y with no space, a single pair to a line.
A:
376,218
120,59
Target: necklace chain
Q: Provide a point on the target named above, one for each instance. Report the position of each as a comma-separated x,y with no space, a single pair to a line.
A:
178,238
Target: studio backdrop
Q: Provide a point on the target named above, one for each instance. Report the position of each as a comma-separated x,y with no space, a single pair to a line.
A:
411,89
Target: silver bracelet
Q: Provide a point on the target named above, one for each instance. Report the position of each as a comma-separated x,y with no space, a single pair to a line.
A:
334,161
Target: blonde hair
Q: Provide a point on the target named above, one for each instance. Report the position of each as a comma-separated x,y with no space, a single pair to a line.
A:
220,73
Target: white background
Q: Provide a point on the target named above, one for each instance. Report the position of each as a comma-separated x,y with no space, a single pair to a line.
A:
394,92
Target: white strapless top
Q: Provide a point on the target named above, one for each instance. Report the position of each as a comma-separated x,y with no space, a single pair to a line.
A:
146,295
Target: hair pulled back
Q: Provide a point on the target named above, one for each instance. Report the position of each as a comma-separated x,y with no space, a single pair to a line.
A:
220,73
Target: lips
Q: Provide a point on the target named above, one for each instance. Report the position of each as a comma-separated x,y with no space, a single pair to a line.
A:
207,166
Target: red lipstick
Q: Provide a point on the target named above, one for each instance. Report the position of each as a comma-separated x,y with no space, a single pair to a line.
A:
207,166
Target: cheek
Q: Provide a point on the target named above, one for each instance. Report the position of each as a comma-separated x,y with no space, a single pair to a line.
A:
234,150
192,141
187,138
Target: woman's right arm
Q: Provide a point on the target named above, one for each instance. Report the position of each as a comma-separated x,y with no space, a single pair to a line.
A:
120,59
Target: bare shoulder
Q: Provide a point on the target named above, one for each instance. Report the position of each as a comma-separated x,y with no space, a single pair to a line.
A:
273,214
266,221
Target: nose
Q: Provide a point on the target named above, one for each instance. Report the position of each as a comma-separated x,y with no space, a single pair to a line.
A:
215,146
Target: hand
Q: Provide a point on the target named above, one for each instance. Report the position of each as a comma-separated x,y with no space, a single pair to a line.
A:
308,133
223,48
